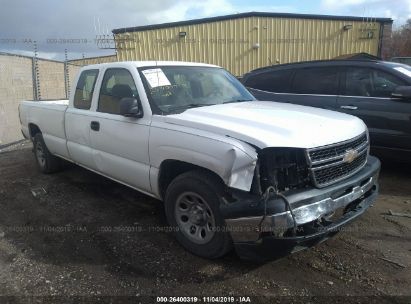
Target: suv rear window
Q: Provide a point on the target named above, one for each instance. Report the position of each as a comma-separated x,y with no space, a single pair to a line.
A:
321,81
271,81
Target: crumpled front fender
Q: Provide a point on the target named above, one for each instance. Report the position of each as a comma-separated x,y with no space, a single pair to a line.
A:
240,174
231,159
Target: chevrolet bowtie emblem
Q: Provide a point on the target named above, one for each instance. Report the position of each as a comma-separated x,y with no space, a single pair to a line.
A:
350,155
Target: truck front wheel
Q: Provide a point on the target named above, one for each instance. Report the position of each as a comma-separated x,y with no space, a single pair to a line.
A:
47,162
192,205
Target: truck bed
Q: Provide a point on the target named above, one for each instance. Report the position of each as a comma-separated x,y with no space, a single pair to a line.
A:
48,115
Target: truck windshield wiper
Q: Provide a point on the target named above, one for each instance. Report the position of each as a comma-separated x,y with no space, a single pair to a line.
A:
237,100
191,105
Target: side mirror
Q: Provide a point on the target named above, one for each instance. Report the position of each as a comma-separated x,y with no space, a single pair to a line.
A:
402,92
130,107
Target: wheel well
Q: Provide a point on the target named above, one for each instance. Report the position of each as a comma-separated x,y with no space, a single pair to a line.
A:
170,169
33,129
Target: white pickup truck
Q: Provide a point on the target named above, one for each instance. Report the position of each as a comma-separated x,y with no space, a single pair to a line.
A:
265,178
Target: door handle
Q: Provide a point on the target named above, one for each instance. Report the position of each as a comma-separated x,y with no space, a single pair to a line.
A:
349,107
95,125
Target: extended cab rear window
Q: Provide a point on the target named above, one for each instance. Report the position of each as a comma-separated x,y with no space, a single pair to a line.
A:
85,89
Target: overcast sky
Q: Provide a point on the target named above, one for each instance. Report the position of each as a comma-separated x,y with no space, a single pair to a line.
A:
49,22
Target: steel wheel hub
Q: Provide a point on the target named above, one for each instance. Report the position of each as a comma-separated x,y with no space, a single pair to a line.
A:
195,218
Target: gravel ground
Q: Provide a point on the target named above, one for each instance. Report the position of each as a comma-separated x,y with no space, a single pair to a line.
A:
81,235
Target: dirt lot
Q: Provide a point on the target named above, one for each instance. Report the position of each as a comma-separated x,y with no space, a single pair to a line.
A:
76,233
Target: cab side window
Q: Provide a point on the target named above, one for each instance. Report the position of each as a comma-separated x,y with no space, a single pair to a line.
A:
271,81
318,81
117,84
85,89
370,82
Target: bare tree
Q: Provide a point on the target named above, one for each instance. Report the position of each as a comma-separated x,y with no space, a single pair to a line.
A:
401,41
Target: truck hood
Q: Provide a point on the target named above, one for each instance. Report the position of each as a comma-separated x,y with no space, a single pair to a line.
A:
272,124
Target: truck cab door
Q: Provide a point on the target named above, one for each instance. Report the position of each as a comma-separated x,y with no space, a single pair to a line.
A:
78,118
120,144
367,94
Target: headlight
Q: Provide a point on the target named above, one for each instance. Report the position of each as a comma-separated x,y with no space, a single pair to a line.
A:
283,168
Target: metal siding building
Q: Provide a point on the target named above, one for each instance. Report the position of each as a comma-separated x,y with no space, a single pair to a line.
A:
246,41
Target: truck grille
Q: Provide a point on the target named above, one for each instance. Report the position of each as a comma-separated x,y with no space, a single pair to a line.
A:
332,163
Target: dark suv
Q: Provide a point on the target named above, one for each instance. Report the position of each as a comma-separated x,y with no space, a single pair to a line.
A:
378,92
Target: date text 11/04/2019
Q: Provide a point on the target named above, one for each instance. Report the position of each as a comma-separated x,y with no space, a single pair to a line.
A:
211,299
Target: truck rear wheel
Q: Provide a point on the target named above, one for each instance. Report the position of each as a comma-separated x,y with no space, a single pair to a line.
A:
47,162
192,205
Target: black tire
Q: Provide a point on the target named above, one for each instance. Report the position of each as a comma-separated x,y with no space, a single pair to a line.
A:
46,162
208,188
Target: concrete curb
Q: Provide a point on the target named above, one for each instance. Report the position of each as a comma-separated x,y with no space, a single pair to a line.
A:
12,143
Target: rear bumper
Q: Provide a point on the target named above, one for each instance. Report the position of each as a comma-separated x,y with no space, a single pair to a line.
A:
260,237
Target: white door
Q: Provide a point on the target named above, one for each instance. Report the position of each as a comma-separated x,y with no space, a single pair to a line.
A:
78,119
120,144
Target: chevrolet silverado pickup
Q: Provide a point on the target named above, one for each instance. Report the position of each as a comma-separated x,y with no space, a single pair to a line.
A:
262,177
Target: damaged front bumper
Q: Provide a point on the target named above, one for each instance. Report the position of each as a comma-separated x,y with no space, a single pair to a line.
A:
262,230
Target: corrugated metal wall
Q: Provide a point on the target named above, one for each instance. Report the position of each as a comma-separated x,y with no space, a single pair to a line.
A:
232,43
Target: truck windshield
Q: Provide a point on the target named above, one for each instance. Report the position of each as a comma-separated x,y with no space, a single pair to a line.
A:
174,89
